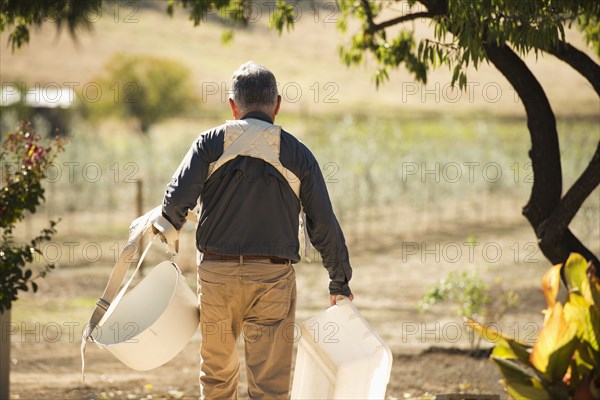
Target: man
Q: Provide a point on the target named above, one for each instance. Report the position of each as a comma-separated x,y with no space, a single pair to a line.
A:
253,178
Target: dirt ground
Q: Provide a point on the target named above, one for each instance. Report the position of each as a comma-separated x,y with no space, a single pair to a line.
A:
431,351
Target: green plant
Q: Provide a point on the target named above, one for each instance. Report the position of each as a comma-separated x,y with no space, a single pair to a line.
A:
563,362
472,296
146,88
24,161
466,289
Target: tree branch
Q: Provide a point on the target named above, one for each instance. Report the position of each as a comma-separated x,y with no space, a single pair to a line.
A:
580,61
398,20
572,201
369,14
374,27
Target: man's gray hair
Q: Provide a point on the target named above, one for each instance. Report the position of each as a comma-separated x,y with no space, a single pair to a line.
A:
254,88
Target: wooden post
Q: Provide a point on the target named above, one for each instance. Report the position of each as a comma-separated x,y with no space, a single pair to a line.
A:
139,198
5,355
139,201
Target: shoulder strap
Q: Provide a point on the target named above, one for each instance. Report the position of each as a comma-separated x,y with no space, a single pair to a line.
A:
254,138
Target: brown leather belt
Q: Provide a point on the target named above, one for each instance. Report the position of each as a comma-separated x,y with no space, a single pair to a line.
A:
208,256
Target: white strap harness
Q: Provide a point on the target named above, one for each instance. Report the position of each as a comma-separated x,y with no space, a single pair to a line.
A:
259,139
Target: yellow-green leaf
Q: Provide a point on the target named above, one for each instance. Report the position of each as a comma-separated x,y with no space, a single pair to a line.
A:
550,284
579,312
512,350
576,276
555,345
506,347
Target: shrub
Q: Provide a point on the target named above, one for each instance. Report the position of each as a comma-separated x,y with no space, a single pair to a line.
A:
145,88
24,161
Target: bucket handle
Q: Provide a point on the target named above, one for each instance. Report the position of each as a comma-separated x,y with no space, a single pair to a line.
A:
111,297
121,293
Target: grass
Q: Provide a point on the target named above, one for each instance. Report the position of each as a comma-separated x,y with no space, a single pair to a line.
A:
30,310
378,170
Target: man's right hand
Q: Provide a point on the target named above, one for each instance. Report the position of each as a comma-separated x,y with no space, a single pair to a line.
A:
167,232
333,298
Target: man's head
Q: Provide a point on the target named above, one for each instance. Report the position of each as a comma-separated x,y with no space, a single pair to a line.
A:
253,88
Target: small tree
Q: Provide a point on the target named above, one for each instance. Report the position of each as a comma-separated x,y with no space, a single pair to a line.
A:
24,162
472,297
145,88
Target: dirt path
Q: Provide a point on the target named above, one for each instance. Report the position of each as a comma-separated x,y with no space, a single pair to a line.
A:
387,282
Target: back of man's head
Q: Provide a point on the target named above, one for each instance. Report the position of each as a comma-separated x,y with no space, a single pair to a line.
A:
254,88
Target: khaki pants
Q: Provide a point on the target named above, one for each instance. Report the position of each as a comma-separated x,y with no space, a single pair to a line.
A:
256,301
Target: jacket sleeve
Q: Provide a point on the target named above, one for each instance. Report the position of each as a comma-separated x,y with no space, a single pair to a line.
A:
187,183
324,230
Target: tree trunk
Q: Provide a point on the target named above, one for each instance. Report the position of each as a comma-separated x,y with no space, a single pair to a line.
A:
556,241
5,355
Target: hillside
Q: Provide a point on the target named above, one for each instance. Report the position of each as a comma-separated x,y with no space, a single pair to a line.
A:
305,61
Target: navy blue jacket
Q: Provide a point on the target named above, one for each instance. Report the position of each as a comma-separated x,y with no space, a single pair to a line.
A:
248,208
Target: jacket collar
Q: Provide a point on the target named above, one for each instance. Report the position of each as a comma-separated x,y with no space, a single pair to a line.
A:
258,115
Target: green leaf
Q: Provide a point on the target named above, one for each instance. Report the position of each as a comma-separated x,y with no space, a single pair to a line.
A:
512,371
283,16
462,80
227,36
455,74
584,357
520,382
520,391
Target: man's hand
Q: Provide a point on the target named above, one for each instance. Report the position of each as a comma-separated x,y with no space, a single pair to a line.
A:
167,232
333,298
162,237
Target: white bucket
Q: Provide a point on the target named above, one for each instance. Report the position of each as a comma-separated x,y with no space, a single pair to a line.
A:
340,356
153,322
